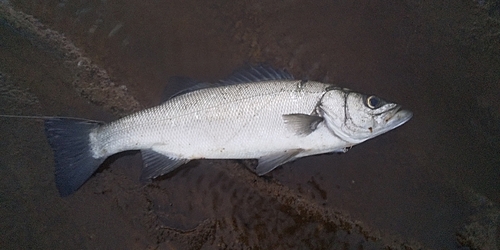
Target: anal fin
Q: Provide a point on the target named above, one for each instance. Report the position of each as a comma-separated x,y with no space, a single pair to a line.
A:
156,164
269,162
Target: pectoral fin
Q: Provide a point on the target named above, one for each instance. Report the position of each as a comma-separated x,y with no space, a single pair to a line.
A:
156,164
269,162
302,124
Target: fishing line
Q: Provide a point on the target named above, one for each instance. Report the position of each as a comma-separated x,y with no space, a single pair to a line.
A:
47,117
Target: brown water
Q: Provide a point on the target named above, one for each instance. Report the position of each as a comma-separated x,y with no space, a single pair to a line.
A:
432,183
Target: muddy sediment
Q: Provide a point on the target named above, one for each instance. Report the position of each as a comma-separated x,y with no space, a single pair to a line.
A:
206,204
91,81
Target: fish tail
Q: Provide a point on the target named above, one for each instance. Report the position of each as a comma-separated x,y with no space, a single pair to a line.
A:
74,161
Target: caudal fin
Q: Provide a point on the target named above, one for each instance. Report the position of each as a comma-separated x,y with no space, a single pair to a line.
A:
74,163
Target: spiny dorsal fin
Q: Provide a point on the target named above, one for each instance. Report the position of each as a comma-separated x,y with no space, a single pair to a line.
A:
179,85
257,73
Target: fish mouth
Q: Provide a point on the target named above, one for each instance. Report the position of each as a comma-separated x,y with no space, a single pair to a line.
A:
397,117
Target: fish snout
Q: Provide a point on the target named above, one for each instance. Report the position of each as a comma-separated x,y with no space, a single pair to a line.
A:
398,117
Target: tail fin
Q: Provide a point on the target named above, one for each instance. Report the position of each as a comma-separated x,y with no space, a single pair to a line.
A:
69,139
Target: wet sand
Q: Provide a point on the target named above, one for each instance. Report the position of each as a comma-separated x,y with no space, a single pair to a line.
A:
432,183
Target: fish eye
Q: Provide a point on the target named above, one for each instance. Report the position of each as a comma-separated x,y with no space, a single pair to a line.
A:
373,102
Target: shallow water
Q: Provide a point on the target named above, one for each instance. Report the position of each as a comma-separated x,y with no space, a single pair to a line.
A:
432,183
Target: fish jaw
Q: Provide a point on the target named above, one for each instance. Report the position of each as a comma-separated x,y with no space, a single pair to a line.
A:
400,117
393,119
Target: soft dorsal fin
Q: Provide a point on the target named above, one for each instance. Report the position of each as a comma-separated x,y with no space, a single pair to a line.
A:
257,73
179,85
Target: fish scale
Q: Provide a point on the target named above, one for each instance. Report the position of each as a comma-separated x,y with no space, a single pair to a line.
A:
199,124
274,119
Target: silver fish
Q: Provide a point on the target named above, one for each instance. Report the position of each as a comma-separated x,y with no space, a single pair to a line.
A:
258,113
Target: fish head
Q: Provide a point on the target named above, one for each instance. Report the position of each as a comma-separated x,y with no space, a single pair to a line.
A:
355,117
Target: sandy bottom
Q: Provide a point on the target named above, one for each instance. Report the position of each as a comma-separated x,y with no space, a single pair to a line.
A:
432,183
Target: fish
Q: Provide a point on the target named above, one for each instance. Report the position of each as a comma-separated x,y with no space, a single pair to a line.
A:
258,112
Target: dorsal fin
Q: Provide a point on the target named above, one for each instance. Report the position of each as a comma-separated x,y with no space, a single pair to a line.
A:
257,73
179,85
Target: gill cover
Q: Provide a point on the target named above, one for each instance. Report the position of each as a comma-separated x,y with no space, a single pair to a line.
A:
355,117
